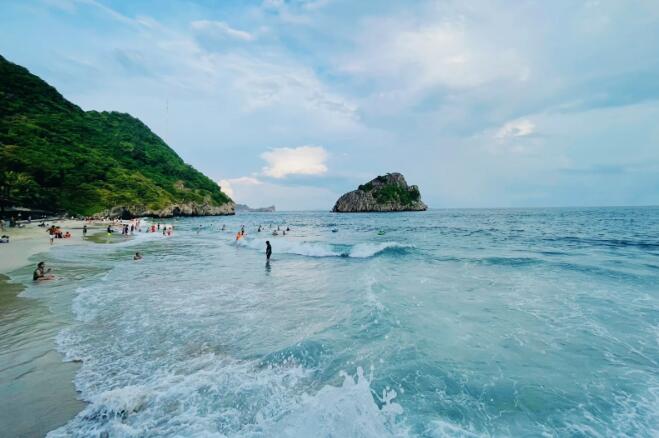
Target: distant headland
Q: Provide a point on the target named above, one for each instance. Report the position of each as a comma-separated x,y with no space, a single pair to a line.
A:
246,209
385,193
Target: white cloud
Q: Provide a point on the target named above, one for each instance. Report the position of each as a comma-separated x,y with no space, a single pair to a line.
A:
229,186
256,193
419,55
303,160
515,128
222,29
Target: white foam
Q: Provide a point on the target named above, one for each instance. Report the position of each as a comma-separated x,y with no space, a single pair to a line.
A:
215,396
317,249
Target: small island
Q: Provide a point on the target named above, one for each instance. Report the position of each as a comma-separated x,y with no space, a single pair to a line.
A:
386,193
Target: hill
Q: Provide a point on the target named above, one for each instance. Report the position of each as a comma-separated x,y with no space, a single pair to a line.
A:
385,193
56,157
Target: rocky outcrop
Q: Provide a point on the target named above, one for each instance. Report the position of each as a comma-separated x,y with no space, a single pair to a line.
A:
242,208
385,193
184,209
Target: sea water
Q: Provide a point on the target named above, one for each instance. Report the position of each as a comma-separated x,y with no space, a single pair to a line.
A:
465,323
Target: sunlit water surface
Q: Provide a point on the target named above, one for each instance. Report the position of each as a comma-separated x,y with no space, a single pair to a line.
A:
451,323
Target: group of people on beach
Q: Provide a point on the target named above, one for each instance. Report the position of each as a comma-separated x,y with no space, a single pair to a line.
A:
55,232
41,273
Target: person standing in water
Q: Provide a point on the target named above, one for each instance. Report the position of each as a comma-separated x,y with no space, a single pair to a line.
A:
84,231
268,250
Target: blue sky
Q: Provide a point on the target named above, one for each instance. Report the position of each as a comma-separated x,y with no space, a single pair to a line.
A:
482,103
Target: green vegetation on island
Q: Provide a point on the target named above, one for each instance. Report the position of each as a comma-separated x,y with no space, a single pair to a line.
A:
392,193
56,157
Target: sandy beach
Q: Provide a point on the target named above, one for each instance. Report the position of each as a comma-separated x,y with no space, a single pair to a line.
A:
31,240
36,386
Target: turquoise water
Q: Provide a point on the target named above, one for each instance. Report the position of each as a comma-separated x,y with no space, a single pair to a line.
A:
465,323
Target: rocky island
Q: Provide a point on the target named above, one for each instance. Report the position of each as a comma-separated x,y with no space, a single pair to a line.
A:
386,193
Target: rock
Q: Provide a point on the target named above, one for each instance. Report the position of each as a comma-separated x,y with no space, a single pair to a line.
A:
386,193
186,209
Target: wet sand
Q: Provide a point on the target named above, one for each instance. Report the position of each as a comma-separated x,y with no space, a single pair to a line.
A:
37,394
36,387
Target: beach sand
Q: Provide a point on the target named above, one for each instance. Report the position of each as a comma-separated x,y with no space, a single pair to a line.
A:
31,240
36,387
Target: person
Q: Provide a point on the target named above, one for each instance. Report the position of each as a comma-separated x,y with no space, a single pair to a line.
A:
67,235
242,230
238,236
275,233
4,239
137,256
223,227
283,233
109,230
41,273
259,230
268,250
51,235
84,231
288,229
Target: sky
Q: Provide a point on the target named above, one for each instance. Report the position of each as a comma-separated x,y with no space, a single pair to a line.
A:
482,103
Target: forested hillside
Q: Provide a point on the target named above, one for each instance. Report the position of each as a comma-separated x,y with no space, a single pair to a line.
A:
56,157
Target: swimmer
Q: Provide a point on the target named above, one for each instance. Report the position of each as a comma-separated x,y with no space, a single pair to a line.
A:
238,236
274,233
268,250
41,273
137,256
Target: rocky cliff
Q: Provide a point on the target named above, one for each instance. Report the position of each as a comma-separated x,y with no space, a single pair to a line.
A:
183,209
386,193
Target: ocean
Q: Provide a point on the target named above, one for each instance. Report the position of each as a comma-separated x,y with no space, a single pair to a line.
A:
457,323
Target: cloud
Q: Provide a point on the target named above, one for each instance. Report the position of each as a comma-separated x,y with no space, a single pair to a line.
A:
256,193
417,55
230,185
220,28
515,128
303,160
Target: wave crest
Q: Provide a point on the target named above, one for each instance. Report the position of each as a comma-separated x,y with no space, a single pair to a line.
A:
316,249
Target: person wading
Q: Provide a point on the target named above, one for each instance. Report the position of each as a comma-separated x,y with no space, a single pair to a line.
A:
268,250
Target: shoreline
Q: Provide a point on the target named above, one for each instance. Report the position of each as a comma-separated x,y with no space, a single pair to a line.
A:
35,381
